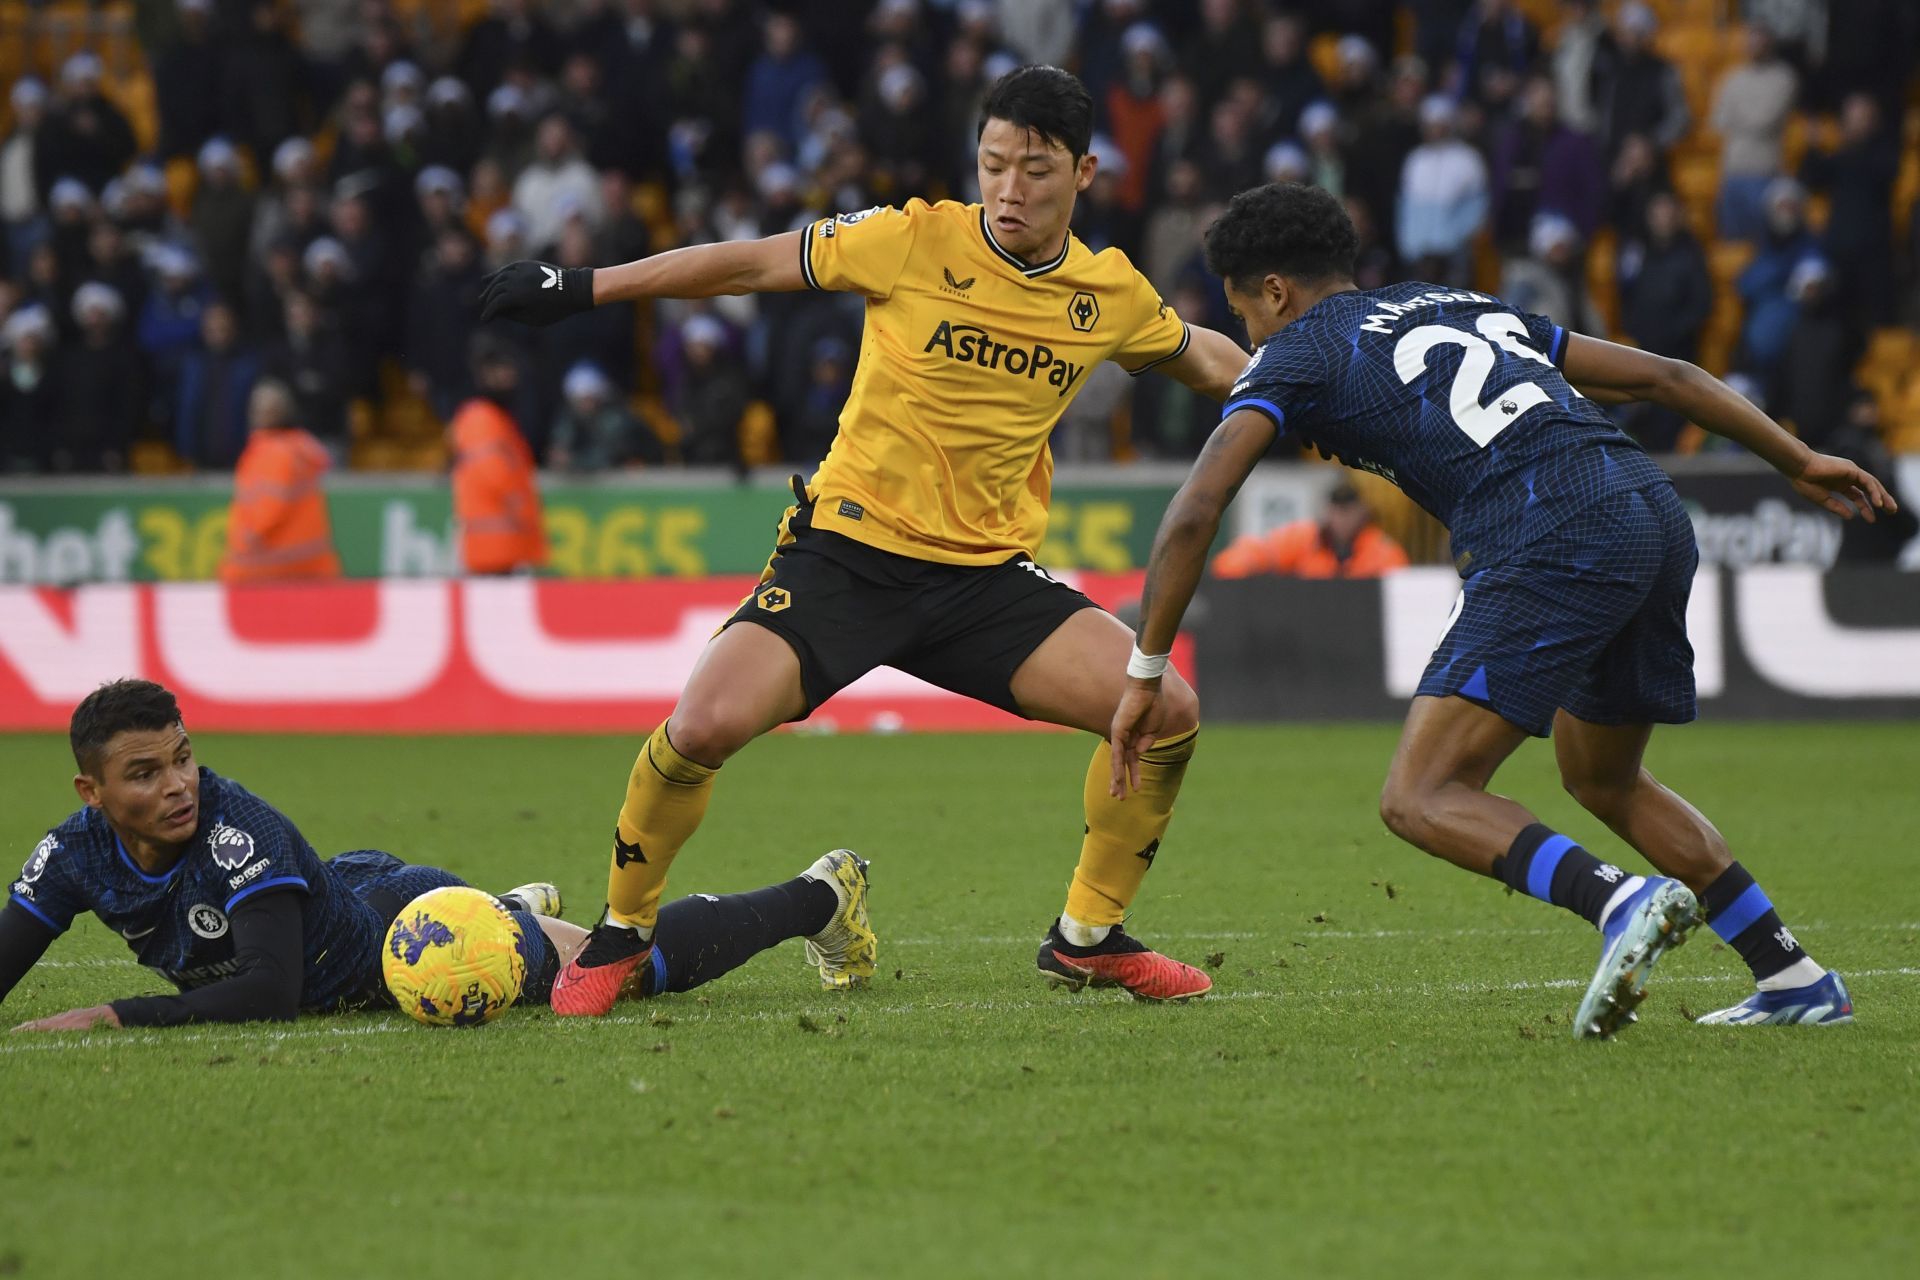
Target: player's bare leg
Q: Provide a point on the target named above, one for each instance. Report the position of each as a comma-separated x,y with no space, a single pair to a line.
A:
1075,678
1436,795
1436,798
746,682
1602,766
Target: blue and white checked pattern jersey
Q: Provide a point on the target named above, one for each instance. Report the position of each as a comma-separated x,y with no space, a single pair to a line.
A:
1458,399
176,924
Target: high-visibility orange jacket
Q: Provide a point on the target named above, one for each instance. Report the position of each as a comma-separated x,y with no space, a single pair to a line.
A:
277,526
1302,550
495,498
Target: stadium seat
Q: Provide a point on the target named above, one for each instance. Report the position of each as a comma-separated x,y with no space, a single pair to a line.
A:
182,179
1324,52
759,435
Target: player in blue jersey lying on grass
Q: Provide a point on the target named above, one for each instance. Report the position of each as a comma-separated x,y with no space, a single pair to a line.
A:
1576,558
218,892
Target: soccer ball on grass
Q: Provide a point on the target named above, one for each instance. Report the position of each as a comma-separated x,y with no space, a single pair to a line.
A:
454,958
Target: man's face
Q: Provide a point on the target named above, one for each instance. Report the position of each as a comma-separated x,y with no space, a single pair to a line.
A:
1259,311
147,785
1028,187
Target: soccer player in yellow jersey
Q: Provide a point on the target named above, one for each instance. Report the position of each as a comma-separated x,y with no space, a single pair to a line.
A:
912,546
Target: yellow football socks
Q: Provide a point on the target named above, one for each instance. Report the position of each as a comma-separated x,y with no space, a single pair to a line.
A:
666,798
1123,835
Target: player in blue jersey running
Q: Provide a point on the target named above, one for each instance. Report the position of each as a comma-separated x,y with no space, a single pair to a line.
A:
1576,555
219,893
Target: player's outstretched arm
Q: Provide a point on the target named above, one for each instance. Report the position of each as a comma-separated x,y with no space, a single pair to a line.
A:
23,940
1210,365
268,938
1174,566
1594,365
541,293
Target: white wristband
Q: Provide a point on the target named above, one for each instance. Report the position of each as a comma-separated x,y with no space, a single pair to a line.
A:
1147,666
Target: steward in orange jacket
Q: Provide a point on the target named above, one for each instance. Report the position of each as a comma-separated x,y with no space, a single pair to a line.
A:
1343,543
495,499
277,526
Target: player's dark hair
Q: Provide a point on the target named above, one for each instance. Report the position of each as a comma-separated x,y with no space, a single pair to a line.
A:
1284,229
115,708
1050,102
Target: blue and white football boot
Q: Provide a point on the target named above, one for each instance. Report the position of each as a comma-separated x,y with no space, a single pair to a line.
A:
1818,1004
1655,920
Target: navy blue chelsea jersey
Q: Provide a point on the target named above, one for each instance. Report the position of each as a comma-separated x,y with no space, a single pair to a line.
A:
176,924
1455,397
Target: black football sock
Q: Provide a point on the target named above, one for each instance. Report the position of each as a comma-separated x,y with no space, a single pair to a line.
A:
703,936
1740,912
1551,867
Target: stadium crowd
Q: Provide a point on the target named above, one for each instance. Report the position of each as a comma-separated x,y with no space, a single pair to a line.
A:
327,181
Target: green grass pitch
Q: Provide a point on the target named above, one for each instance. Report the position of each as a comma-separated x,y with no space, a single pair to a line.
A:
1383,1085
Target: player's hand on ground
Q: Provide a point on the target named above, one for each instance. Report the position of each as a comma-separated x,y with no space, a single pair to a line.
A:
536,292
100,1015
1129,737
1841,486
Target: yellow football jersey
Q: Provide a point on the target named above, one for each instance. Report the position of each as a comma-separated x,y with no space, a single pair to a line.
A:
967,360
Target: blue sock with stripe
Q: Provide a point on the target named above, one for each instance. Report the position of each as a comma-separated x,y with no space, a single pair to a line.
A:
1740,912
1546,865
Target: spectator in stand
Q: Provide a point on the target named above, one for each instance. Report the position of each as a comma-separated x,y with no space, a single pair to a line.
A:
169,324
1582,29
453,129
1227,47
1182,135
594,430
1550,278
317,368
1342,542
1374,265
265,81
74,210
1287,162
1040,31
817,419
1100,218
602,336
187,76
1135,111
1814,378
1872,51
1634,89
1542,166
1230,157
782,78
277,524
29,391
711,395
1765,285
507,238
623,237
1383,137
1326,158
1666,293
1436,29
44,286
222,217
1499,48
496,496
210,420
1287,76
111,261
441,199
294,165
1100,42
88,134
1356,86
103,386
513,36
1443,199
1859,176
22,220
557,174
1639,173
1750,109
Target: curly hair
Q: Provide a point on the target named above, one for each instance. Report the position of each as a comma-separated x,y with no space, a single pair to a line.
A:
1284,229
113,709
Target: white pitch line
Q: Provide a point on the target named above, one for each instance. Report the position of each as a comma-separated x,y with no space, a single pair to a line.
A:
673,1013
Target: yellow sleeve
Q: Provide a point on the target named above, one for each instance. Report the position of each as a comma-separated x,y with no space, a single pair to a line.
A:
1155,334
861,252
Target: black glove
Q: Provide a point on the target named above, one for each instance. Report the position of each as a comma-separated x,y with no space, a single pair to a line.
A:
536,292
